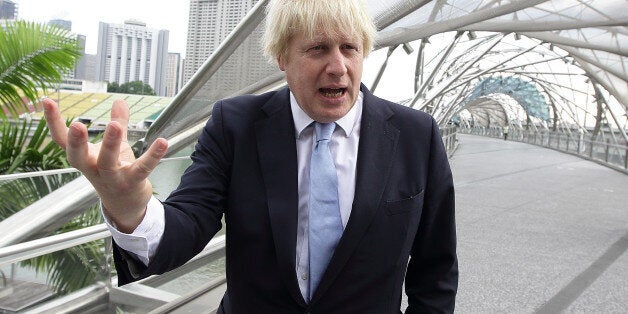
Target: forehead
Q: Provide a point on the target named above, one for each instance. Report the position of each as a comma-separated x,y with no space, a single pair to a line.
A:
325,37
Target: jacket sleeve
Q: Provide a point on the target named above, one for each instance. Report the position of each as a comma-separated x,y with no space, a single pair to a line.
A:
432,276
193,212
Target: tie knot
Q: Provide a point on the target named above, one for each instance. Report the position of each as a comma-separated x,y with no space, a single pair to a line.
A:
324,130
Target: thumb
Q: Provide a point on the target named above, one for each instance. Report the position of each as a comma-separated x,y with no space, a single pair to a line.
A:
144,165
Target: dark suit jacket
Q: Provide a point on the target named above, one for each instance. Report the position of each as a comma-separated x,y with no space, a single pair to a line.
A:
245,167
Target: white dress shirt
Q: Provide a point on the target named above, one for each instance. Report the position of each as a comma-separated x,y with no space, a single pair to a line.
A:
344,150
144,240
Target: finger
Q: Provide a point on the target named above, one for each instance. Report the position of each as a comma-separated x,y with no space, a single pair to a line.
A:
150,159
56,124
77,150
109,155
120,113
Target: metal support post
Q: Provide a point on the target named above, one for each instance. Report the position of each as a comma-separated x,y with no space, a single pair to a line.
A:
108,261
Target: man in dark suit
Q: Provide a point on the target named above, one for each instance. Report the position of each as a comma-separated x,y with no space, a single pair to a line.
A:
393,206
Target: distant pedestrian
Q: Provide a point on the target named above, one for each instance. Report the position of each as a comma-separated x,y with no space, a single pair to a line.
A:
505,133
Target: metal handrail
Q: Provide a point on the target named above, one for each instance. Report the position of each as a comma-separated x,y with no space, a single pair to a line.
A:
253,18
23,251
58,207
98,291
76,302
582,147
48,213
448,134
4,279
52,211
44,173
190,297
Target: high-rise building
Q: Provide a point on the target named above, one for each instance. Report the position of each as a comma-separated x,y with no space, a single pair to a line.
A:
174,74
91,63
8,10
210,22
80,67
132,52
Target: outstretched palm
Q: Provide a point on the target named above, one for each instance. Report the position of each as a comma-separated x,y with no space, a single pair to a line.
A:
120,179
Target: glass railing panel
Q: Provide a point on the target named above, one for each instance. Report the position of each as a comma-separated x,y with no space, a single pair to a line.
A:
165,177
606,153
22,189
196,278
46,277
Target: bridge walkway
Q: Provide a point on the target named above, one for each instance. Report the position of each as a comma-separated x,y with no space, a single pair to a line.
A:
538,230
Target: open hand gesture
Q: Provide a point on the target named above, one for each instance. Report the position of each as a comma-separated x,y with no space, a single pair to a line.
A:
120,179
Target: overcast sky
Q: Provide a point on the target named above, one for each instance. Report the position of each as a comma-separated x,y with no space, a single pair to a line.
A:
86,14
173,16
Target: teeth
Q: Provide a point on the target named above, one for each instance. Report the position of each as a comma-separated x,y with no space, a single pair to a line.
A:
332,92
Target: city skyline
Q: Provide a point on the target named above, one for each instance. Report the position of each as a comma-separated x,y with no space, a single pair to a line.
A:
132,52
86,15
210,22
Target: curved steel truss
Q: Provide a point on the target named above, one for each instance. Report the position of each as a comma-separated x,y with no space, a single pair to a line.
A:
573,52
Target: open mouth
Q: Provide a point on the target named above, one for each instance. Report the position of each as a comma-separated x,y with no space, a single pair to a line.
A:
332,92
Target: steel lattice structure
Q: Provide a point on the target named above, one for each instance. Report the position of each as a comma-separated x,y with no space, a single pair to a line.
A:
568,57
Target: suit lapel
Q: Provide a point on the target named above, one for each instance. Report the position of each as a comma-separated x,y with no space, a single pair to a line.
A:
378,139
278,162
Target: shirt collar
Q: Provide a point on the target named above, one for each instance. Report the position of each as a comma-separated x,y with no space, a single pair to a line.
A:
346,123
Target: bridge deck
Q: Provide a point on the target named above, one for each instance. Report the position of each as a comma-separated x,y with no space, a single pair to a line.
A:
538,230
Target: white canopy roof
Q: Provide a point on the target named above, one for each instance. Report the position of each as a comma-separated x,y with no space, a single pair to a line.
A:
550,63
566,48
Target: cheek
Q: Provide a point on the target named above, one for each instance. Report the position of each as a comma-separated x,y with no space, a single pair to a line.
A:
355,64
356,69
304,78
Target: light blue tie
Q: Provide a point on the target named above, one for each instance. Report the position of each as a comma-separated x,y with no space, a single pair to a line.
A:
325,225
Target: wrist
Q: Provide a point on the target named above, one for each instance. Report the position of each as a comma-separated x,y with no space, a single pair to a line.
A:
126,221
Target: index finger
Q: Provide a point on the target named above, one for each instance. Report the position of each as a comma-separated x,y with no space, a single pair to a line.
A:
120,113
56,124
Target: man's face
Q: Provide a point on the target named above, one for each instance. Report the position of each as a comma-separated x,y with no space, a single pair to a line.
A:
324,73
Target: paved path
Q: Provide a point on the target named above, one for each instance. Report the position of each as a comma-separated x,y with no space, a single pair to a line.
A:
538,230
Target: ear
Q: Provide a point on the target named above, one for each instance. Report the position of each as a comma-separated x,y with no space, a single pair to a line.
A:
282,65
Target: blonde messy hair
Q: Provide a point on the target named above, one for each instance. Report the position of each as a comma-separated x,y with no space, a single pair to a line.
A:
343,18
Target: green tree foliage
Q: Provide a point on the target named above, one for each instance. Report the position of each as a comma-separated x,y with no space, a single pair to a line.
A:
113,87
24,152
135,87
77,267
32,57
25,147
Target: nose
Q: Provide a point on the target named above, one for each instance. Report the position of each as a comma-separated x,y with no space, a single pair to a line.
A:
337,63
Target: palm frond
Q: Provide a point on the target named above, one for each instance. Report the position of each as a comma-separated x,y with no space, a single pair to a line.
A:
32,57
25,146
76,267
